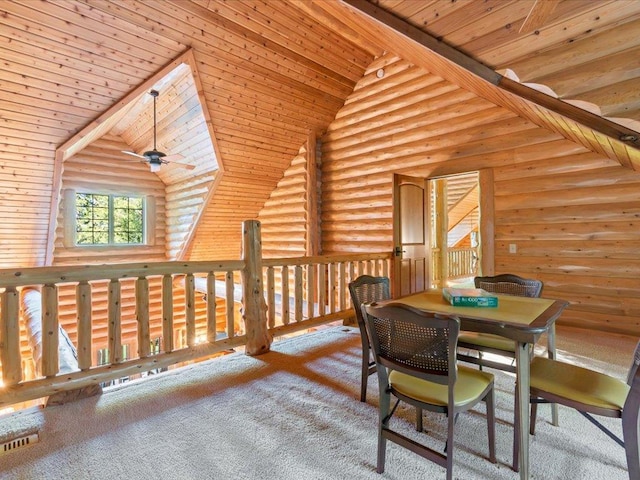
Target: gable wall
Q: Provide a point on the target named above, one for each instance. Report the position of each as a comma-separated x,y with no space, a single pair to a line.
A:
97,168
571,213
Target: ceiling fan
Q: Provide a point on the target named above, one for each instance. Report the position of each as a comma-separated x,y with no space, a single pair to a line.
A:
155,158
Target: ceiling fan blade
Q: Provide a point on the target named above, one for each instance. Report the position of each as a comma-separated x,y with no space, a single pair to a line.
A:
186,166
134,154
172,158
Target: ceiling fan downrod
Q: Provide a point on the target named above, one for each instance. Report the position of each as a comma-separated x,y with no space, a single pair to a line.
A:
154,155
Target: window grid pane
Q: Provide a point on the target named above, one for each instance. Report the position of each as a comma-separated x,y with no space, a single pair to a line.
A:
109,219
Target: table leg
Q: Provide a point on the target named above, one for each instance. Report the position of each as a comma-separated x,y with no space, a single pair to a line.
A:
551,350
522,373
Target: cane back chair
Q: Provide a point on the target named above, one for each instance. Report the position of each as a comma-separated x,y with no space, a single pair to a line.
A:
415,354
367,289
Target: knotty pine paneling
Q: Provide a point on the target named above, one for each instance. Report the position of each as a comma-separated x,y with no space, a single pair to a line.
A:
572,214
269,74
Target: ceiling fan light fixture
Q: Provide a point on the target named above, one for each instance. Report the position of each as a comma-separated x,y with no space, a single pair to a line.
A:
154,155
154,167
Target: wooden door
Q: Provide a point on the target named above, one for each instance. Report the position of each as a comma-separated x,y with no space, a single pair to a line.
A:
410,234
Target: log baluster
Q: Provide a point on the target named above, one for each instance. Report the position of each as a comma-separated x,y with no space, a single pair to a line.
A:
84,325
50,330
114,309
167,313
211,307
311,282
190,309
342,286
10,338
284,297
230,302
376,268
271,297
322,289
297,275
352,271
142,317
331,286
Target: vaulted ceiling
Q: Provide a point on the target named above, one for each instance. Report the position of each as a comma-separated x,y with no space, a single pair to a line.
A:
274,72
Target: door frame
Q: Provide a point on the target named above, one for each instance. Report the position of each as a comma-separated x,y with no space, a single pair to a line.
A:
486,227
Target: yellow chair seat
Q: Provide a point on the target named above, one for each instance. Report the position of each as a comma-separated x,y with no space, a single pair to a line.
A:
578,384
469,385
486,340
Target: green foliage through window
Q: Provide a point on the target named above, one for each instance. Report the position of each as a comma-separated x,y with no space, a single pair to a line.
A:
109,219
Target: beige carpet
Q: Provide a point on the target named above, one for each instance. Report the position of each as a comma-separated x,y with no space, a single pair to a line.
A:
294,414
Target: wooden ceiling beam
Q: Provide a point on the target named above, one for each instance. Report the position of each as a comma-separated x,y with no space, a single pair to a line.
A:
596,133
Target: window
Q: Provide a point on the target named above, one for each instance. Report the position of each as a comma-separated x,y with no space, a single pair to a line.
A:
104,219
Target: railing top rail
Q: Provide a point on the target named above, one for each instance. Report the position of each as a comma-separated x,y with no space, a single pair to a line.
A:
71,274
341,257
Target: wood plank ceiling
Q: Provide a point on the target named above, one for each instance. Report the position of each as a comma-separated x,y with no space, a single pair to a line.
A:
273,72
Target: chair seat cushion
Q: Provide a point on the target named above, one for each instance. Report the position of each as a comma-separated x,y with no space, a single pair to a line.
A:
469,386
487,340
577,384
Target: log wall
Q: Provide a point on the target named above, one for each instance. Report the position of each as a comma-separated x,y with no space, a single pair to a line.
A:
572,214
99,169
284,214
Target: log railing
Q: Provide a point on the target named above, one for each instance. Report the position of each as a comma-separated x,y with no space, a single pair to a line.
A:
275,296
461,262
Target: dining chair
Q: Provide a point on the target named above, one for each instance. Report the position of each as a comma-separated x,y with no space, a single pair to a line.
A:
592,393
415,354
366,289
508,284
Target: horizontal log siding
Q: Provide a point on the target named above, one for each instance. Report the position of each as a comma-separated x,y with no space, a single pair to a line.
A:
263,109
576,230
573,214
284,214
101,168
185,202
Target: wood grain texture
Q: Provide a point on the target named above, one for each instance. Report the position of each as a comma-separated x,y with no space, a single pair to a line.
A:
572,213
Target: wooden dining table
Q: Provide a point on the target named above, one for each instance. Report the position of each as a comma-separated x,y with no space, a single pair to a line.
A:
521,319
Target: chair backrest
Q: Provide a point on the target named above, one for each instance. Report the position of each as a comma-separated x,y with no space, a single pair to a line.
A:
632,402
367,289
413,341
510,284
634,372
